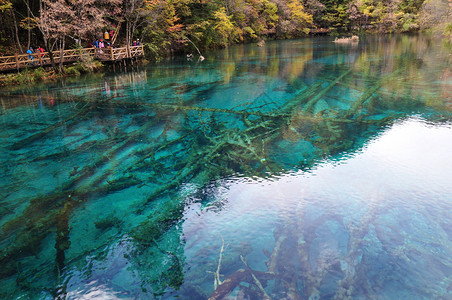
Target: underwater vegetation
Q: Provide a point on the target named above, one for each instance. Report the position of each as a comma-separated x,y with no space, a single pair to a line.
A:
116,169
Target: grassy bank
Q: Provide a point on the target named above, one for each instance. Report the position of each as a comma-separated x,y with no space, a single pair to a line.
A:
42,74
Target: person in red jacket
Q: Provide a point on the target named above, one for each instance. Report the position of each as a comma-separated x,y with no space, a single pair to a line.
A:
40,49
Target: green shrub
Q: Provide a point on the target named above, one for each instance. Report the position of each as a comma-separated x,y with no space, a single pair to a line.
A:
72,70
88,64
24,77
448,29
38,73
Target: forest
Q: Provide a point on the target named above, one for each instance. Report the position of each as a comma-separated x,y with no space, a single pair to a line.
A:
165,27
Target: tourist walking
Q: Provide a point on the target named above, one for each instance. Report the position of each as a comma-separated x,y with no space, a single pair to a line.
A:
101,46
30,56
41,50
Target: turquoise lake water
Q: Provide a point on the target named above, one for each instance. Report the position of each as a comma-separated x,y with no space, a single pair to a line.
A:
300,170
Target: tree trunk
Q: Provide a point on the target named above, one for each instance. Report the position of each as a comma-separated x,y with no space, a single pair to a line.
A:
128,41
49,50
28,25
16,32
62,44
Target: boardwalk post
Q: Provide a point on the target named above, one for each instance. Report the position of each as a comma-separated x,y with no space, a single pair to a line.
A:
17,62
111,54
40,59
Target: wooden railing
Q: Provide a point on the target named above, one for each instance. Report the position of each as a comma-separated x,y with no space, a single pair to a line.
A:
20,61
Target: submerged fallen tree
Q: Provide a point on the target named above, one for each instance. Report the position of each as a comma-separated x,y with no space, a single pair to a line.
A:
175,143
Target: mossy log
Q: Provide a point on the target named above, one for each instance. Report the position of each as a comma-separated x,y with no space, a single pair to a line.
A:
272,264
85,109
255,280
319,95
27,141
147,153
369,94
185,107
41,216
158,223
301,97
193,165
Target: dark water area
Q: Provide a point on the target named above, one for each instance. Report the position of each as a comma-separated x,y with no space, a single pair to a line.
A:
303,169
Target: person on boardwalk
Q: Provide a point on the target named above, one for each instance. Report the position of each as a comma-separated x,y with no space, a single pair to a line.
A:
96,43
41,50
101,45
30,56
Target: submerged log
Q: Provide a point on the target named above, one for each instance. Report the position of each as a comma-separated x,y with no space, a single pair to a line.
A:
186,107
274,256
234,280
301,97
229,284
317,97
256,281
217,280
369,94
85,109
41,216
25,142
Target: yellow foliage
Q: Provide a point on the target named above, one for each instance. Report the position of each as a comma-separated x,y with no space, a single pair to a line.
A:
250,31
298,13
271,10
399,14
224,24
4,5
28,23
224,28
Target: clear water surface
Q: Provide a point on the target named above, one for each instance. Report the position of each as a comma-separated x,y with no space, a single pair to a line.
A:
300,170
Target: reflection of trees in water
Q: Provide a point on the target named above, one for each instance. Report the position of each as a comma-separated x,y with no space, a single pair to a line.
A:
156,147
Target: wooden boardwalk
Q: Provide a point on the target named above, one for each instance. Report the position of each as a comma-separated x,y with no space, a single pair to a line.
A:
20,61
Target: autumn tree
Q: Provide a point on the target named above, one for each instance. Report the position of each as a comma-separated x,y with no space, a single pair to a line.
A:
162,31
225,29
91,16
77,20
316,9
134,13
437,16
294,20
54,23
5,13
